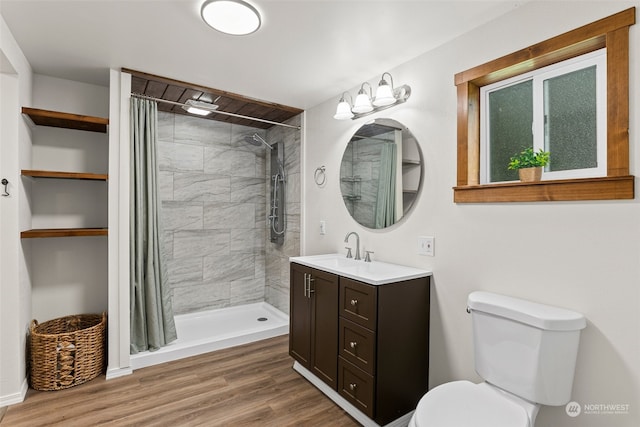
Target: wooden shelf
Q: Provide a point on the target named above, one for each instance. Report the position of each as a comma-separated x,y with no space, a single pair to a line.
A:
65,175
63,232
66,120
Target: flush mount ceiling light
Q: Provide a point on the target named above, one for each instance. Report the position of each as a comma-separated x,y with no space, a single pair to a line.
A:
199,108
386,96
235,17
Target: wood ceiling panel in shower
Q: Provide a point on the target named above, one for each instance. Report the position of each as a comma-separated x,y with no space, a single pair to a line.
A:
177,91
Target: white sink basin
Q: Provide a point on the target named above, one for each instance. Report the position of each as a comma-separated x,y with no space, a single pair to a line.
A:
374,272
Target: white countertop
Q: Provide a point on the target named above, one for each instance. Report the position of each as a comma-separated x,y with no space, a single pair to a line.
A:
374,272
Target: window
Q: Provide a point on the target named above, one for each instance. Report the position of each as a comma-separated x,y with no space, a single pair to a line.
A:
609,35
560,108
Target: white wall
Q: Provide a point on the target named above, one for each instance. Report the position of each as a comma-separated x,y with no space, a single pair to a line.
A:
15,144
578,255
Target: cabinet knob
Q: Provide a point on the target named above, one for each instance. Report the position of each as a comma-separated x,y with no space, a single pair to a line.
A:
353,344
354,302
353,386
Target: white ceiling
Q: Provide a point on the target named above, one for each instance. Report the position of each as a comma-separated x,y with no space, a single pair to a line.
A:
307,51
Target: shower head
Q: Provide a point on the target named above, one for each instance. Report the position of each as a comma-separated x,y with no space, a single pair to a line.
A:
256,140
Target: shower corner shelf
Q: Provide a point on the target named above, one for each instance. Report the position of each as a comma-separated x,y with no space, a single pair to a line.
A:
355,178
66,120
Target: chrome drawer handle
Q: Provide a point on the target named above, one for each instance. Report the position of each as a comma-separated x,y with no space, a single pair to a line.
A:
353,344
354,302
353,386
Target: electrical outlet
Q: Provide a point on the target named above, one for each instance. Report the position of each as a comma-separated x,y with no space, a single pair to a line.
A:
426,245
323,228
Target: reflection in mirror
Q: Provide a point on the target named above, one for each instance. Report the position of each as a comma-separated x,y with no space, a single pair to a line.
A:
381,173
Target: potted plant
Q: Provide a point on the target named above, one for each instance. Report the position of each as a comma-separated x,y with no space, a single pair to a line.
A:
529,164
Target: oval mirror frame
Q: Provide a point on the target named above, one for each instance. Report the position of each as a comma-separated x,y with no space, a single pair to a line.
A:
381,173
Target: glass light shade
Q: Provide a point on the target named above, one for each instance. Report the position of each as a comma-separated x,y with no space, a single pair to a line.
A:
234,17
363,103
343,112
384,95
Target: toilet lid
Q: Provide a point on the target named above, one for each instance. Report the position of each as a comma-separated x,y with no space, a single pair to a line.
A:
465,404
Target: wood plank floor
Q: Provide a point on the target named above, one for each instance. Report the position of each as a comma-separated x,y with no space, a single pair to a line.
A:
250,385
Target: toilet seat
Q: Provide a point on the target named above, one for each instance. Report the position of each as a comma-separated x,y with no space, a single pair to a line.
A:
465,404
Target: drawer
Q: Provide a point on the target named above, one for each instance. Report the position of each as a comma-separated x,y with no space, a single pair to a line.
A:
357,345
358,302
356,386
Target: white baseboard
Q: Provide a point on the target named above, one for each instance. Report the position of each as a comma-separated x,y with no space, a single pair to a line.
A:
12,399
403,421
118,372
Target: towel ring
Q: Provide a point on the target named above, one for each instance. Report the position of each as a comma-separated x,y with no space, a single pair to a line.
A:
319,176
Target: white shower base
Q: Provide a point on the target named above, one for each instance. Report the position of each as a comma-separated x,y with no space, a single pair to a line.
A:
211,330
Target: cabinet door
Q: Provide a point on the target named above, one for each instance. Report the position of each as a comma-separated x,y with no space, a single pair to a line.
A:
324,327
299,316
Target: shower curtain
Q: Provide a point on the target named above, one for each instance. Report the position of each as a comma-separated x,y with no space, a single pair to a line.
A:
151,313
386,201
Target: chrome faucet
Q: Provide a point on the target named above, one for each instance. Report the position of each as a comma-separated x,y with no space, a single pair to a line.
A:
346,240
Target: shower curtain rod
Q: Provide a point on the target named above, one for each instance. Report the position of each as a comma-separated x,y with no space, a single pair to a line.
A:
138,95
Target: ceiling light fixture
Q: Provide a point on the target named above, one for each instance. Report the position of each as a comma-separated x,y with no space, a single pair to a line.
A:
199,108
235,17
386,96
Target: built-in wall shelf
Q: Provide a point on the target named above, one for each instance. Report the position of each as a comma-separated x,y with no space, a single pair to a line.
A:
408,162
63,232
66,120
65,175
71,121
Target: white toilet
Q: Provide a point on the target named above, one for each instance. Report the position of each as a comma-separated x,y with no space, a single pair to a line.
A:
526,353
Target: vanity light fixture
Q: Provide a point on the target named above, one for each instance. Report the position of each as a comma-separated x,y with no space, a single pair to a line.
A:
363,101
343,111
234,17
199,108
386,96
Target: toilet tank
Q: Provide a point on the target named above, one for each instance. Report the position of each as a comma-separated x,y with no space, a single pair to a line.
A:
526,348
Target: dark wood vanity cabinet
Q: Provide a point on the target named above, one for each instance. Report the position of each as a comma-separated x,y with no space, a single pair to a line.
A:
313,325
379,336
383,363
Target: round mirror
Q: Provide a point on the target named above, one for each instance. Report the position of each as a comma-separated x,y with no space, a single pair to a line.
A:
381,173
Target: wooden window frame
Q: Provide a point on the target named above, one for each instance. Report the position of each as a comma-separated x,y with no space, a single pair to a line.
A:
611,33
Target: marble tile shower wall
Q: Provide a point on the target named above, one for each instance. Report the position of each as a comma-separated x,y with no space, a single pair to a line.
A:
277,256
213,193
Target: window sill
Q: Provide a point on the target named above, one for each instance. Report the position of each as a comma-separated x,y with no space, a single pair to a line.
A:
606,188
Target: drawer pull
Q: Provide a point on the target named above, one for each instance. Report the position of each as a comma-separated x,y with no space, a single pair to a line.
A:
353,344
353,386
354,302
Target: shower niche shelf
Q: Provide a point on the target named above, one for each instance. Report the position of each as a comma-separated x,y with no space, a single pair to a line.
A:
57,119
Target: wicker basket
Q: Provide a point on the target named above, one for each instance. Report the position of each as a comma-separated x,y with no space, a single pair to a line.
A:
67,351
